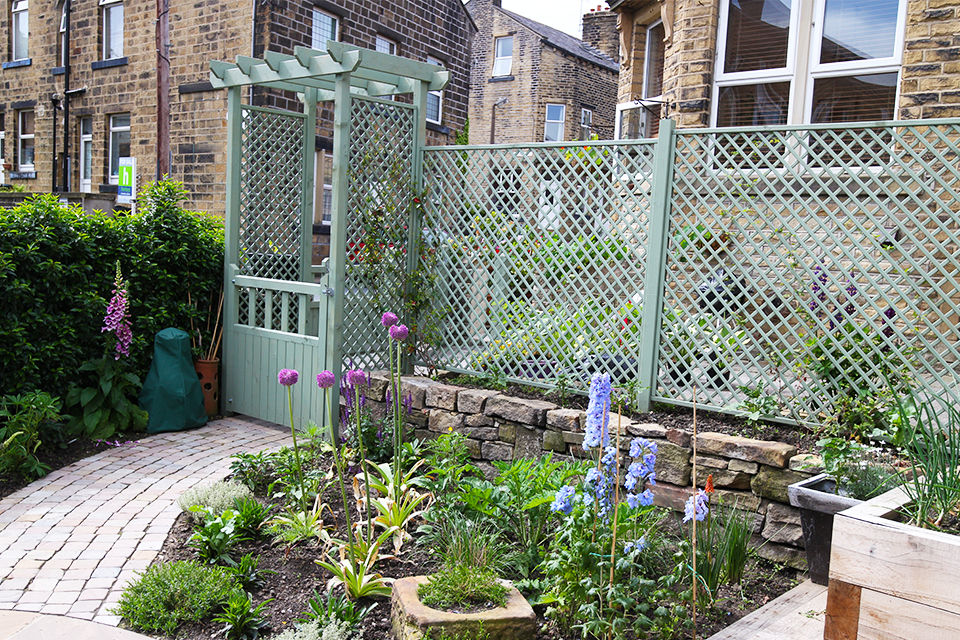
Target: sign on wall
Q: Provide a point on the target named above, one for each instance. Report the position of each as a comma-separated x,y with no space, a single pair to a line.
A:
127,182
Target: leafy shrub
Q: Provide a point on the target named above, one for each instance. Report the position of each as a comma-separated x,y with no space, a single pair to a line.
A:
216,497
461,585
250,515
241,620
252,469
107,405
334,608
21,418
216,537
168,595
457,539
53,281
248,573
293,526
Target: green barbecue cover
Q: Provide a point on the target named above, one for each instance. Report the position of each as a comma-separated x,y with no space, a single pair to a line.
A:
171,393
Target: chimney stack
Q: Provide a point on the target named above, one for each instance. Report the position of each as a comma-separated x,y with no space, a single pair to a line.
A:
600,31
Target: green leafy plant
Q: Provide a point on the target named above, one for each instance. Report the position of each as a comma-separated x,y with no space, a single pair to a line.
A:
293,526
240,619
722,550
757,404
215,497
216,537
457,539
860,471
248,573
169,595
252,469
251,514
324,609
462,586
21,419
108,404
355,570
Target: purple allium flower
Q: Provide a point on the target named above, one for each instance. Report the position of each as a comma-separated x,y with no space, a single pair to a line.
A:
562,501
696,506
388,319
326,379
399,332
598,414
288,377
356,377
117,319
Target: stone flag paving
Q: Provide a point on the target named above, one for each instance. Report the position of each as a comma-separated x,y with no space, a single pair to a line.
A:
71,541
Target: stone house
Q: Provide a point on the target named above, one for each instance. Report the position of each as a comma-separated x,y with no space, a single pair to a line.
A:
770,62
532,83
83,81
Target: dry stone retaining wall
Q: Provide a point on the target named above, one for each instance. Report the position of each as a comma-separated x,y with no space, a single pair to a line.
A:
751,475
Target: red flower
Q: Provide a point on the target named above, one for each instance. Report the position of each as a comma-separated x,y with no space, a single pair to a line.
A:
708,487
416,200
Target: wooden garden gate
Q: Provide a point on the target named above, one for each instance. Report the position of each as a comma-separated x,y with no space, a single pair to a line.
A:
282,311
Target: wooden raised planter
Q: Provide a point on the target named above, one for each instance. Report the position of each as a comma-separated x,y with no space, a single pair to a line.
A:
889,579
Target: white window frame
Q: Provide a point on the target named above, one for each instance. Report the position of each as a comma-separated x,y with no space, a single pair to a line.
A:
115,178
105,7
20,10
803,60
381,40
86,184
63,35
586,122
3,151
21,136
322,46
437,94
562,120
497,59
645,103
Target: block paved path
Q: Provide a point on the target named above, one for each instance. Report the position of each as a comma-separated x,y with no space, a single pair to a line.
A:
70,541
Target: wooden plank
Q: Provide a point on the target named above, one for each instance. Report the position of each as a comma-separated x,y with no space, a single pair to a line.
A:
885,617
843,611
898,559
795,615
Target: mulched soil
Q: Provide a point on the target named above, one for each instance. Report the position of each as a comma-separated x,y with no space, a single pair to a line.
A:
680,418
56,457
297,577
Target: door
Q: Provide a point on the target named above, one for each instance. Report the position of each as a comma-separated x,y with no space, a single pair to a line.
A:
86,154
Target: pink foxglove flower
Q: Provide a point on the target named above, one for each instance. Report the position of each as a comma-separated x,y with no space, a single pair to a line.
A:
117,320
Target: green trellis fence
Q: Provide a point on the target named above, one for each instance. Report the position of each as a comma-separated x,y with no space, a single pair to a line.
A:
813,265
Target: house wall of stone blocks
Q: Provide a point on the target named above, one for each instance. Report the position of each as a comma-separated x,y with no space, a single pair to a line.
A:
750,475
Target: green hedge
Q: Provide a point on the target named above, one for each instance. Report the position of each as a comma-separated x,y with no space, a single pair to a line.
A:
56,274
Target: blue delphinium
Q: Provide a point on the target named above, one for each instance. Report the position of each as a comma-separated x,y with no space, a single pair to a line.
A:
640,472
696,506
562,502
596,433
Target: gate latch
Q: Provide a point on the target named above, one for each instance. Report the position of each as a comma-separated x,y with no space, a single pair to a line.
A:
327,291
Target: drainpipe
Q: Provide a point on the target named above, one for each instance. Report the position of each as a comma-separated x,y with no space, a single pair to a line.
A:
55,102
493,117
66,101
163,88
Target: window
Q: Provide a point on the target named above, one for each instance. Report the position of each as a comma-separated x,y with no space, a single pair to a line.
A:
502,56
20,27
385,45
586,123
791,62
325,27
86,154
25,135
553,127
112,12
434,99
62,42
119,143
641,119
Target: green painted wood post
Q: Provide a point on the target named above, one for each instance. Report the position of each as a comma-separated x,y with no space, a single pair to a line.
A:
657,236
306,184
231,222
415,220
338,237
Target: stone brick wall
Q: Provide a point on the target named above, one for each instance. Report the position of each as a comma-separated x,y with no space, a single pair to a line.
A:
539,74
600,31
127,88
930,77
751,475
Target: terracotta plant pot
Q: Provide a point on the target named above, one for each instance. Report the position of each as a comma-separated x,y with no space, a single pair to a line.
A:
209,373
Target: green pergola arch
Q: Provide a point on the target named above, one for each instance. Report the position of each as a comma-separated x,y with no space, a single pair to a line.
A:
280,310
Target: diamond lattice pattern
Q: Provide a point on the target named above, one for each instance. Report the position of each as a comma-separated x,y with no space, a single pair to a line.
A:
542,254
380,192
818,265
271,173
